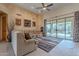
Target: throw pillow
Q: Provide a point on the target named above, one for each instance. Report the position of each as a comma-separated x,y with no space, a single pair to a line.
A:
27,36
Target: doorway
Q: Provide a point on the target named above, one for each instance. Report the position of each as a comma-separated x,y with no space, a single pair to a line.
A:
3,26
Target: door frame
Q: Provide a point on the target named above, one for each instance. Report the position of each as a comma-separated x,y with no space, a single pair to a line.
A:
4,14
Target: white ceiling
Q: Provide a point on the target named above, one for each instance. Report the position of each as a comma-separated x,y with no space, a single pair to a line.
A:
32,6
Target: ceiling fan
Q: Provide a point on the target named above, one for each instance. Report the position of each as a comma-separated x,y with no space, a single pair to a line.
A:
45,6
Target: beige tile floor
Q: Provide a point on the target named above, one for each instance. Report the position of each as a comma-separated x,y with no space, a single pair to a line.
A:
64,48
6,49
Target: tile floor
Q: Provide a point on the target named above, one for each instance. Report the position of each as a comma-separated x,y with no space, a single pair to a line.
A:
64,48
6,49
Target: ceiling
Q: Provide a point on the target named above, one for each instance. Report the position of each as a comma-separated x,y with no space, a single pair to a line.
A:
32,6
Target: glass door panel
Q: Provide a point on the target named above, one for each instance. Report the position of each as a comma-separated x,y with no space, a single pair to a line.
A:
48,29
69,28
53,31
61,28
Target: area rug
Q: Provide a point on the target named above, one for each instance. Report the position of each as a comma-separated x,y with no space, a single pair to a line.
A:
48,43
46,46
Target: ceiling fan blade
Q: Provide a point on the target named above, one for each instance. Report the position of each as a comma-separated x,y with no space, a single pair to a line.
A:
39,7
50,5
43,5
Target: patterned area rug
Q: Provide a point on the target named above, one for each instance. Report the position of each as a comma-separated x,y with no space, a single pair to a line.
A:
47,45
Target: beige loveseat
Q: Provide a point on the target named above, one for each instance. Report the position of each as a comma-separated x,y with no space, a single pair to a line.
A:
22,46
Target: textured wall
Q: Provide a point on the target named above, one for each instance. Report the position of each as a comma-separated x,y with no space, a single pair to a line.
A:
12,10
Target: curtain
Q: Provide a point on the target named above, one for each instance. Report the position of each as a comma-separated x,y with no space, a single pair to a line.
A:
76,27
44,27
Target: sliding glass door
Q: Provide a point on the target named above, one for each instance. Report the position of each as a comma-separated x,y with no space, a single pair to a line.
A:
53,28
60,28
69,27
48,29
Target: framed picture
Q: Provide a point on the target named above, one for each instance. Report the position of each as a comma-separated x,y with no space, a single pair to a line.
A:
27,23
18,21
33,24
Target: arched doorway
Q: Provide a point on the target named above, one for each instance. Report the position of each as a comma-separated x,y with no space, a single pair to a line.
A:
3,26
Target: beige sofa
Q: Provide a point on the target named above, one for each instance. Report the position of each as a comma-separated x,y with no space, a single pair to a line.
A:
23,46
